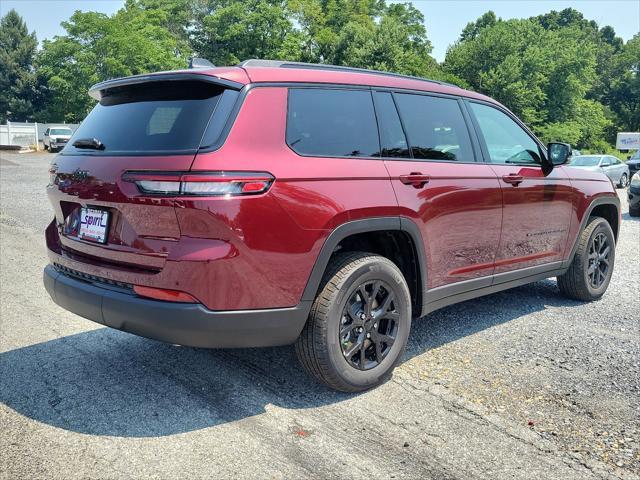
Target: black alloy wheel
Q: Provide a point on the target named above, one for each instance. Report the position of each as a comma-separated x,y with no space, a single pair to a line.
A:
599,262
369,325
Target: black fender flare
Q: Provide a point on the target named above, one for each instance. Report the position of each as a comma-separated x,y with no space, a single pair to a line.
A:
363,226
608,200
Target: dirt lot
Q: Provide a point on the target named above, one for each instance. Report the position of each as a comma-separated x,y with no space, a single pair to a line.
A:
520,384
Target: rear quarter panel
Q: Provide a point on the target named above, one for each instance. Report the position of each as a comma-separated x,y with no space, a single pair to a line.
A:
277,236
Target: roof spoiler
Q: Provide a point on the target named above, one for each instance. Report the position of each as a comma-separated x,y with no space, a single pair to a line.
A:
98,90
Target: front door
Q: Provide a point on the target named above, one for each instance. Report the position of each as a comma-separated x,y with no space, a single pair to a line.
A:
536,208
455,202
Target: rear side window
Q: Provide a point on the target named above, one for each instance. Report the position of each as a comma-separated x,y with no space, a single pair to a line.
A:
435,128
392,138
332,123
158,117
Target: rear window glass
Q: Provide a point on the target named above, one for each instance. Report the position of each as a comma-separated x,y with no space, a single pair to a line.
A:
161,117
392,138
435,127
332,123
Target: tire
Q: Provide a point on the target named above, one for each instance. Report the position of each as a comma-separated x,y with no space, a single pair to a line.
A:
46,147
634,212
335,327
623,181
578,282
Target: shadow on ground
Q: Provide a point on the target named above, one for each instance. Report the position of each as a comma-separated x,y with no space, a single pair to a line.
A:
105,382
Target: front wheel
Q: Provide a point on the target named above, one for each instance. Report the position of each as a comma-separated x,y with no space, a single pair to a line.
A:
359,323
590,271
624,180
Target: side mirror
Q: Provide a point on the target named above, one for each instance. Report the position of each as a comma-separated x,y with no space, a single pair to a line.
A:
559,153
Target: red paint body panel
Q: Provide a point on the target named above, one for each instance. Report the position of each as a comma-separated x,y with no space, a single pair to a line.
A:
536,217
459,213
257,252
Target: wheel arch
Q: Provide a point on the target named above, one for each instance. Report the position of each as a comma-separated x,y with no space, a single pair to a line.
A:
360,230
605,207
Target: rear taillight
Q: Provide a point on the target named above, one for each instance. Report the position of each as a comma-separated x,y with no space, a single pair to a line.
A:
200,184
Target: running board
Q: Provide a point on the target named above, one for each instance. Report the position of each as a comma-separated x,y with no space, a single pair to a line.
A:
469,289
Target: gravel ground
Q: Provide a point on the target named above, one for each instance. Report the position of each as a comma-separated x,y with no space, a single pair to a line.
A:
519,384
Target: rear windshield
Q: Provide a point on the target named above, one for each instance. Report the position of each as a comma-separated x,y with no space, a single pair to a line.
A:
159,117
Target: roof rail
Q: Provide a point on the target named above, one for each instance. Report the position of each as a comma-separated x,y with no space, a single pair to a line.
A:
340,68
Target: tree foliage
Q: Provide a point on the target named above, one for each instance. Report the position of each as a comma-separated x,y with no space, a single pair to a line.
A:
565,76
98,47
17,81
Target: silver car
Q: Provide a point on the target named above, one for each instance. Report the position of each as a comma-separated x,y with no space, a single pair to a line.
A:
611,166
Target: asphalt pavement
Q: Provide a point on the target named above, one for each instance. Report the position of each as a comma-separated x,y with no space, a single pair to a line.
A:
517,385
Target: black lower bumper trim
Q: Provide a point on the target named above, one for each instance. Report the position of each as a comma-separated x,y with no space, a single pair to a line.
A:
180,323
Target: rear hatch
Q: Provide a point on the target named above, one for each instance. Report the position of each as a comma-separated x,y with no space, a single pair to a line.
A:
156,124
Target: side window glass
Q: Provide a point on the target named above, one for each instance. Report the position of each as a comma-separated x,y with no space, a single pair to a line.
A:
392,138
506,141
435,128
332,123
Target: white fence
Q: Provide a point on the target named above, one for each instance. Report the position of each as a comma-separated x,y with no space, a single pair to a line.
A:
27,134
22,134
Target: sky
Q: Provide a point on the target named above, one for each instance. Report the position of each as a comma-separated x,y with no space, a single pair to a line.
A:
444,19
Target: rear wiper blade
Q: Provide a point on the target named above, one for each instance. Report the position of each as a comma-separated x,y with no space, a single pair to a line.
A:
92,143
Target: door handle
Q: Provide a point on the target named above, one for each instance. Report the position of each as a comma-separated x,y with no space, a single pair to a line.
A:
416,179
513,179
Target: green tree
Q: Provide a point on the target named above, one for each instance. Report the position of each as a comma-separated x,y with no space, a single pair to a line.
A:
543,74
623,94
18,94
230,31
472,29
98,47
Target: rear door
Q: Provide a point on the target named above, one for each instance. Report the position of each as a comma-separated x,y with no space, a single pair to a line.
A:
456,202
537,208
146,127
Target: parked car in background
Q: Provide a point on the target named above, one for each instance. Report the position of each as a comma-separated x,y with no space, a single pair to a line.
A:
633,162
55,138
576,153
634,195
611,166
275,202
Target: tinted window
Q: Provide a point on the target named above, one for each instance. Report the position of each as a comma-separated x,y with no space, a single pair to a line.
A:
392,138
435,127
333,123
160,117
506,141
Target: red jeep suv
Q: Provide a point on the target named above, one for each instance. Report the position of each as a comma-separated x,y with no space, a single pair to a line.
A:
273,203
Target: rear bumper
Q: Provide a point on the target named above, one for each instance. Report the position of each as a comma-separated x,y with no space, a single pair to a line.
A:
180,323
